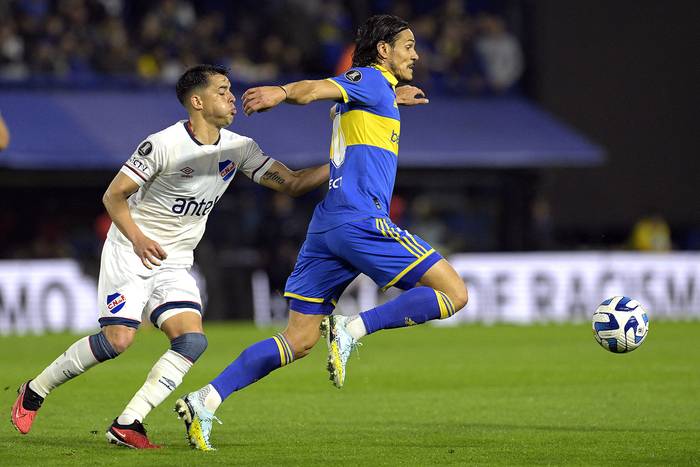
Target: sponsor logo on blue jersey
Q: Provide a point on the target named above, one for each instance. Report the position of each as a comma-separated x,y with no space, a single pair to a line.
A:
227,169
115,302
335,182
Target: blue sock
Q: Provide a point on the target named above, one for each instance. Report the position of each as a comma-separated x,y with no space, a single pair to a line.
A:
415,306
253,363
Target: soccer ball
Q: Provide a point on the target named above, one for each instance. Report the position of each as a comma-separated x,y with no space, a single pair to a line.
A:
620,324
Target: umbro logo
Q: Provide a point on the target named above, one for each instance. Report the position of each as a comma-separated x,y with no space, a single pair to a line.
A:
187,172
168,383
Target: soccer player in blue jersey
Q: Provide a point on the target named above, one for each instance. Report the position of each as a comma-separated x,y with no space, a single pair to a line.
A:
350,232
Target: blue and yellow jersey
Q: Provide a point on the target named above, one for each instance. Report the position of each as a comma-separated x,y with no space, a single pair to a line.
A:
364,149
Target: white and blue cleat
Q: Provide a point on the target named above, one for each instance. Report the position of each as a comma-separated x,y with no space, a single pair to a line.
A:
340,345
198,421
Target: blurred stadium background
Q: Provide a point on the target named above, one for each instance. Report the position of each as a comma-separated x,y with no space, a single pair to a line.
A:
556,165
551,128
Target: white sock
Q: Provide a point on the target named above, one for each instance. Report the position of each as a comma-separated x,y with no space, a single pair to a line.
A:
209,397
356,327
165,376
73,362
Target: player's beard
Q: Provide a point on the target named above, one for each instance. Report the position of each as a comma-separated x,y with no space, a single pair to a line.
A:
403,73
407,73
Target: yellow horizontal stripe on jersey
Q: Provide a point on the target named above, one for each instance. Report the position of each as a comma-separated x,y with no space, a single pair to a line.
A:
302,298
342,90
360,127
406,270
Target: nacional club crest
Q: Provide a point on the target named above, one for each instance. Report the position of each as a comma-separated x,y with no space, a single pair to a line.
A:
115,302
227,169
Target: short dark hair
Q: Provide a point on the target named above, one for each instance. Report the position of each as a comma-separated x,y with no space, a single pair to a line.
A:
376,29
196,77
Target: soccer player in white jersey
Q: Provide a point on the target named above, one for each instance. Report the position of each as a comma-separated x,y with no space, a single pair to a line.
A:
159,202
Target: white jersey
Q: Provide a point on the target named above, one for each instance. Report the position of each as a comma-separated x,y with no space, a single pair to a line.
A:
180,181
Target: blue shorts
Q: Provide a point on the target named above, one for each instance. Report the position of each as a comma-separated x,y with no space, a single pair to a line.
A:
329,261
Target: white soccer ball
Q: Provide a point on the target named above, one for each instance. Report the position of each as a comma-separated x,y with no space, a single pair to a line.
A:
620,324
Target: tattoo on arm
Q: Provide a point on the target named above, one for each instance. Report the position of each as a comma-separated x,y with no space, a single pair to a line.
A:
274,177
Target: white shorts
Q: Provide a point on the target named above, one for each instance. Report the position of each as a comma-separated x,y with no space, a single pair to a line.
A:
127,290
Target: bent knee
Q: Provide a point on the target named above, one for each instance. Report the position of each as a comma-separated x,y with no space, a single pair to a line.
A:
303,347
302,343
120,339
101,348
190,345
121,343
459,297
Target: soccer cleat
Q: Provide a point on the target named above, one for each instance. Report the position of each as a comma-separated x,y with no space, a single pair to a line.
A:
340,345
132,436
25,407
197,420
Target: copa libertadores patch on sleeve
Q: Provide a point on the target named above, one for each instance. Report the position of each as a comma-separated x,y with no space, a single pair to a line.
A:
145,148
353,75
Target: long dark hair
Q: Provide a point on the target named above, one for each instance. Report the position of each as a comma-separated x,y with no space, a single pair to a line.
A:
196,77
376,29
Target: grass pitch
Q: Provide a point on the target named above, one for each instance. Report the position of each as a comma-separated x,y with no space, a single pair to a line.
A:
472,395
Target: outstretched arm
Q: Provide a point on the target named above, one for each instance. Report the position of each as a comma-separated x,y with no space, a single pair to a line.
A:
300,92
294,182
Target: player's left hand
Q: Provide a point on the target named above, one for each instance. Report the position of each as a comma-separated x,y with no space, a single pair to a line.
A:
262,98
410,95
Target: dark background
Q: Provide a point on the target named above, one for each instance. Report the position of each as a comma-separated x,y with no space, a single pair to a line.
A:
627,74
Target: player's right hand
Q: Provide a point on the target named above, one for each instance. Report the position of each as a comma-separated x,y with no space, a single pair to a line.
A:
410,95
262,98
149,252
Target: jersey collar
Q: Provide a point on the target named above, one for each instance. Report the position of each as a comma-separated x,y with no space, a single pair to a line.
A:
386,74
188,129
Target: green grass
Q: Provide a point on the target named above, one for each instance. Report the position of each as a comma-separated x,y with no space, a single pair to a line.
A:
473,395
